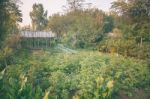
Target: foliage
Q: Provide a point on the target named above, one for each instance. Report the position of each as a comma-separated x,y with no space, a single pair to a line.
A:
78,29
85,74
131,18
62,73
10,45
108,24
38,17
10,15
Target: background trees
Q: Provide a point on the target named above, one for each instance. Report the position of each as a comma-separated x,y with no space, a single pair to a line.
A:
137,14
78,28
86,28
74,5
38,17
10,15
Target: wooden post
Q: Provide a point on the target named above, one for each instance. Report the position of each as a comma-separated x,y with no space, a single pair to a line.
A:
49,42
46,42
38,43
32,40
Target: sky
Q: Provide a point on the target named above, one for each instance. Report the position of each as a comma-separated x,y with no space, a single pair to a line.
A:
55,6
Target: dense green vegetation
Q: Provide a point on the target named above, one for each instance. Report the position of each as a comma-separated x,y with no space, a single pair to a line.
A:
90,28
86,74
9,17
96,55
76,30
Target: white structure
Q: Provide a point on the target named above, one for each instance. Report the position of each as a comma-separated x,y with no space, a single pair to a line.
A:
39,34
37,40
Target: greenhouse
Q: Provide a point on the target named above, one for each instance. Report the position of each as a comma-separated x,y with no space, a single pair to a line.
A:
37,40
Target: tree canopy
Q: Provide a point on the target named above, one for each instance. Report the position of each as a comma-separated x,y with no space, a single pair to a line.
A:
10,15
38,17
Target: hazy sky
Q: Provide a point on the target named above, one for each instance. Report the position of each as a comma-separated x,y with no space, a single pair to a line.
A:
54,6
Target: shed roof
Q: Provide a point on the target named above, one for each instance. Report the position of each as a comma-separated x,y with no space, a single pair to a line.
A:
39,34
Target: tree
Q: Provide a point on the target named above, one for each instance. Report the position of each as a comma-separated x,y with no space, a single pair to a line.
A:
135,9
138,12
38,17
136,16
10,15
78,28
75,5
108,24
